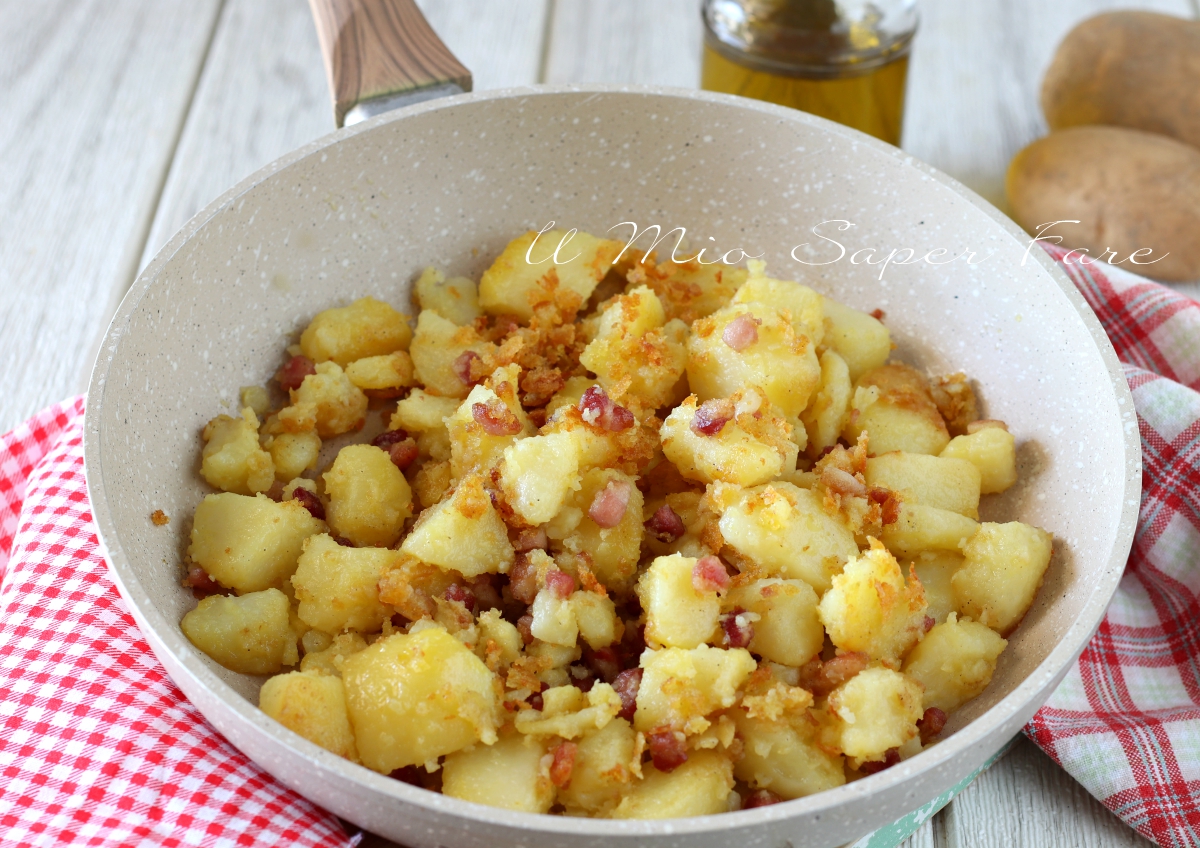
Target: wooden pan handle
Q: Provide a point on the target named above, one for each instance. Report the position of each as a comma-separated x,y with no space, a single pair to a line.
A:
377,48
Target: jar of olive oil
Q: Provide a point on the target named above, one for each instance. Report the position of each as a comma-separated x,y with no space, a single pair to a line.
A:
846,60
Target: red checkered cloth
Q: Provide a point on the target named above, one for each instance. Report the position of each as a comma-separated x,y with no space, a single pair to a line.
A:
98,747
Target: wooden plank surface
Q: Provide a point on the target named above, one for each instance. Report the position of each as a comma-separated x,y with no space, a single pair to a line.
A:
93,95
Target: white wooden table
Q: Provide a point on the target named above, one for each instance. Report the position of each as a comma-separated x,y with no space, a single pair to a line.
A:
122,118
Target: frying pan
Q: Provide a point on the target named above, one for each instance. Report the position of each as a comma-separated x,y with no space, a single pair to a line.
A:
448,182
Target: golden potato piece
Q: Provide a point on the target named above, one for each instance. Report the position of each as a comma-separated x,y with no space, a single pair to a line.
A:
455,299
512,285
825,416
699,787
859,339
804,306
369,498
785,758
926,528
382,376
940,482
680,687
992,450
603,770
954,662
935,570
538,474
463,533
324,653
248,634
689,290
788,629
249,544
294,453
893,405
313,705
1003,567
874,711
485,425
415,698
507,775
367,327
337,587
232,460
614,550
677,614
436,350
326,401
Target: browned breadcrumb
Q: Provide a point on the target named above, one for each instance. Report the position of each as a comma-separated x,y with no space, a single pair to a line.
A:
159,518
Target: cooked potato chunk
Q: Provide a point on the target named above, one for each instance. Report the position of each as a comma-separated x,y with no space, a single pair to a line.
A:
369,499
680,687
874,711
1003,567
688,290
438,354
614,549
954,662
785,531
753,446
893,405
367,327
927,528
455,299
566,711
324,654
788,630
538,474
250,634
991,449
678,615
337,587
935,570
951,484
553,620
765,352
862,341
425,415
249,544
294,453
803,305
463,533
327,402
313,705
507,774
513,286
382,376
232,460
415,698
596,616
870,609
603,769
633,352
699,787
825,416
485,425
499,644
784,757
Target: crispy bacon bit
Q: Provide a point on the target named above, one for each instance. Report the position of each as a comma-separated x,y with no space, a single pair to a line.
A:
199,581
458,592
496,418
342,540
408,774
821,678
486,595
560,584
293,372
403,454
522,580
738,631
531,539
626,685
536,701
842,483
709,575
310,502
563,764
525,628
878,314
610,503
599,409
930,621
387,438
890,758
889,504
602,662
712,416
741,332
666,749
931,724
666,525
462,366
760,798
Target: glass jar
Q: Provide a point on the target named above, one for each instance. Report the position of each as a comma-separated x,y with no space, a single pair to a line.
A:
846,60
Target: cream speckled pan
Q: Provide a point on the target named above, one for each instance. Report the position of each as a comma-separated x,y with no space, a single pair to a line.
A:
448,183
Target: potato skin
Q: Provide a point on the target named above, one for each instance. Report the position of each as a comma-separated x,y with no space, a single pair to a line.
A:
1127,69
1129,189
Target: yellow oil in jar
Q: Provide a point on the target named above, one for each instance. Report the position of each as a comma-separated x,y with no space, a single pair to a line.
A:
870,101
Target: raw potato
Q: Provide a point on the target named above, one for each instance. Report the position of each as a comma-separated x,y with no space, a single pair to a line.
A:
415,698
699,787
313,705
1127,69
507,775
369,499
954,662
1003,568
337,587
250,634
232,460
1131,191
677,615
249,544
367,327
